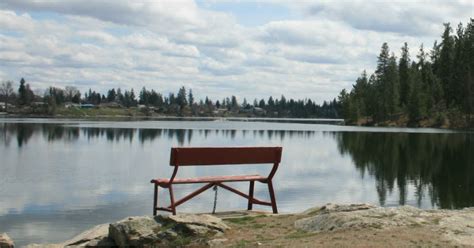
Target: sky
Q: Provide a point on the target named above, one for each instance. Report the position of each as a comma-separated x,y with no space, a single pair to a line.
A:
251,49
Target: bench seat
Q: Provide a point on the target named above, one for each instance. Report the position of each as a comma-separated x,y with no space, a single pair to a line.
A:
209,179
215,156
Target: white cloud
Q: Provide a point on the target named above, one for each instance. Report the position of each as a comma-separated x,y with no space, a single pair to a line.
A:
416,18
165,44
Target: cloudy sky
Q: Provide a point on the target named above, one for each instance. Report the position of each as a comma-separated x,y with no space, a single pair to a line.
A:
297,48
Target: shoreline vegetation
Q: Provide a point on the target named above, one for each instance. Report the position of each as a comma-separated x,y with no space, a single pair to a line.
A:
328,225
435,90
453,121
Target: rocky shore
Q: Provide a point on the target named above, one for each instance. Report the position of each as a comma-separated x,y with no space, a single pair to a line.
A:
330,225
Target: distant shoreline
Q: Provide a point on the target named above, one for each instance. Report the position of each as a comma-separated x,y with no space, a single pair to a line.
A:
182,118
133,115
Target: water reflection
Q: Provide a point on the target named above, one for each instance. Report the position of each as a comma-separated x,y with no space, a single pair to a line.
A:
100,174
56,132
441,165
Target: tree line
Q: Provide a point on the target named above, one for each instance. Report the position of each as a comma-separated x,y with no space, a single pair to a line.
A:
182,102
437,85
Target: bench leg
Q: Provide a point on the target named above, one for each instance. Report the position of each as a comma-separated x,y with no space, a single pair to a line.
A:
155,200
251,187
272,197
173,207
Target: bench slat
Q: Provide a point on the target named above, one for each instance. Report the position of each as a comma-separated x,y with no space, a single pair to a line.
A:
224,155
210,179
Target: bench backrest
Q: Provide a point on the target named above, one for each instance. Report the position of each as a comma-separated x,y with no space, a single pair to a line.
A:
182,156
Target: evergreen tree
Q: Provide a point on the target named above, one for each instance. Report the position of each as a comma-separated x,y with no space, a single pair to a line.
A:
111,95
234,102
393,85
22,94
468,85
416,107
403,74
382,87
445,64
133,100
190,97
119,97
181,97
359,92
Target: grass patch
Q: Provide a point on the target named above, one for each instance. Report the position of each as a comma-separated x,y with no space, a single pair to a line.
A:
241,221
241,244
94,112
258,225
298,234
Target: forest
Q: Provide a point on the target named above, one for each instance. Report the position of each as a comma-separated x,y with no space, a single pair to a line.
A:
434,89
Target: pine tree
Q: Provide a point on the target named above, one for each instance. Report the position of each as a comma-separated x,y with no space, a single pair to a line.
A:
181,97
382,87
111,95
445,64
393,84
133,100
22,94
416,107
144,97
360,93
403,68
190,97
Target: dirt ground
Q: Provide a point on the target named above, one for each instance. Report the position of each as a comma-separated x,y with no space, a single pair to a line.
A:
278,231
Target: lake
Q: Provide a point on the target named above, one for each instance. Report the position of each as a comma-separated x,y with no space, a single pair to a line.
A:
60,177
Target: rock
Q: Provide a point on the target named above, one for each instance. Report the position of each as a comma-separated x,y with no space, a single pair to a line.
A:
44,246
135,231
96,236
197,224
459,227
216,242
343,218
5,241
164,231
330,207
453,225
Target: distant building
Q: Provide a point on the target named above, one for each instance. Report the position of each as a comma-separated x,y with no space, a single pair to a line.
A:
9,106
259,111
72,105
110,105
38,104
220,111
87,106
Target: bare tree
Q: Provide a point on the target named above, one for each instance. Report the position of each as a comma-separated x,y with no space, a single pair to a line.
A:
6,91
72,94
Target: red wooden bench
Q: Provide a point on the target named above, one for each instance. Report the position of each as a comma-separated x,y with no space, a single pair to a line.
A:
198,156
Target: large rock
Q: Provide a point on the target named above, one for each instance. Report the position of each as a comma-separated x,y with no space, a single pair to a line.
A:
330,207
458,227
96,236
165,230
454,225
195,224
135,231
5,241
371,217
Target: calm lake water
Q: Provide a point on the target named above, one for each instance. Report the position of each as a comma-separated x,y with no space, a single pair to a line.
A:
60,177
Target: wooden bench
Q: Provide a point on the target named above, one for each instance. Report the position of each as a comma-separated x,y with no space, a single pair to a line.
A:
198,156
